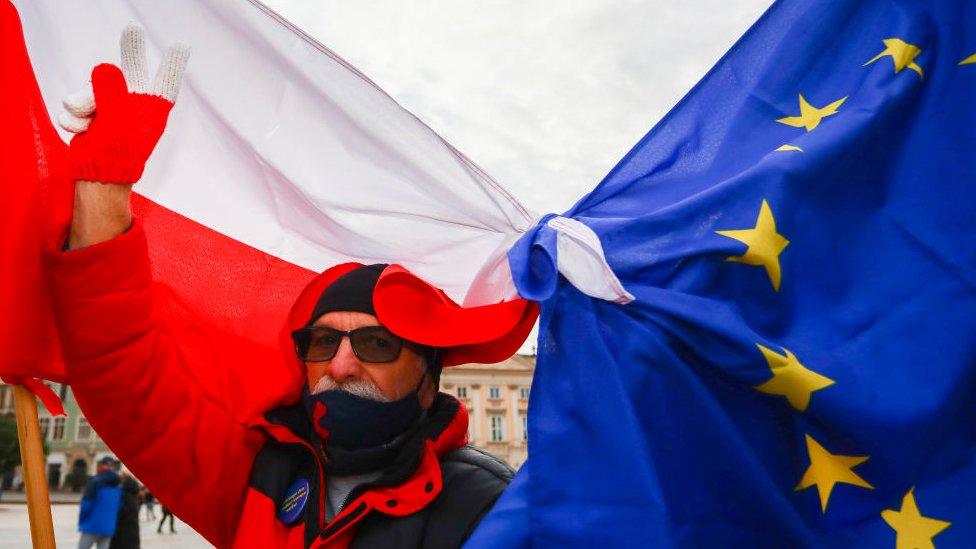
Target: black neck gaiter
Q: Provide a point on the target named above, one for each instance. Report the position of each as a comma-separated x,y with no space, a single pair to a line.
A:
357,434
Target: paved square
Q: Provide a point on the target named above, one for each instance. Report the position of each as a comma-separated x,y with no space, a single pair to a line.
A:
15,529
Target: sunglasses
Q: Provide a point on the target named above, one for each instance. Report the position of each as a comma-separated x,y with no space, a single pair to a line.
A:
369,343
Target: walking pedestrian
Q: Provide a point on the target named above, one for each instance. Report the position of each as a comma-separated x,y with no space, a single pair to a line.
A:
150,501
166,513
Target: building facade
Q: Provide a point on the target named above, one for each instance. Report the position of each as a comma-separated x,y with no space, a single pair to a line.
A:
73,446
497,399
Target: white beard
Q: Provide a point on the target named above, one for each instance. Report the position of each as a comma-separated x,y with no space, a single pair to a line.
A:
360,387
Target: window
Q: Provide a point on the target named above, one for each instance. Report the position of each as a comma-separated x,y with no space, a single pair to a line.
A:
58,432
525,428
45,427
85,431
494,393
497,428
462,392
524,393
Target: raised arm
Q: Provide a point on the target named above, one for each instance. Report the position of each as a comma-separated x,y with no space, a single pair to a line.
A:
101,212
130,359
114,140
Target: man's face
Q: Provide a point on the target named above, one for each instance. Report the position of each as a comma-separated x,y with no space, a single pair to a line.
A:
393,380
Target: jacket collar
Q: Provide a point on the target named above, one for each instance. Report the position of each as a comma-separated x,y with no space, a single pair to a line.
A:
405,488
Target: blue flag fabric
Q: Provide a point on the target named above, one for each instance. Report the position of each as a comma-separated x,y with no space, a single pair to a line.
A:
799,366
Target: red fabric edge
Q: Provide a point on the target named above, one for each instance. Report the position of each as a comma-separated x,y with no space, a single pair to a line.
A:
420,312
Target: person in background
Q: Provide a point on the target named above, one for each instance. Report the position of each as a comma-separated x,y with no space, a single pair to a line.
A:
127,528
150,501
166,513
99,510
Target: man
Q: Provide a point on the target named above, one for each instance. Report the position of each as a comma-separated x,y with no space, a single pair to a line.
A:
100,504
364,452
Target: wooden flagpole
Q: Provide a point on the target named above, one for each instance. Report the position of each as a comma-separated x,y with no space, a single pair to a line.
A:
32,461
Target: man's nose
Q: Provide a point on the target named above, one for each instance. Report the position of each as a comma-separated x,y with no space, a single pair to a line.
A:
344,366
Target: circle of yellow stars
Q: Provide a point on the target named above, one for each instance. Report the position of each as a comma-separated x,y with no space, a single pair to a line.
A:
790,378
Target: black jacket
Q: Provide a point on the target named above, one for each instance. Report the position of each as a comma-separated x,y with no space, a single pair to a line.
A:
127,528
471,481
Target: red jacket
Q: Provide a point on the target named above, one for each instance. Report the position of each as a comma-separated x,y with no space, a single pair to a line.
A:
178,403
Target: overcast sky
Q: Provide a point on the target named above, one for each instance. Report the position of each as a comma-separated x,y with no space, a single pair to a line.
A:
546,96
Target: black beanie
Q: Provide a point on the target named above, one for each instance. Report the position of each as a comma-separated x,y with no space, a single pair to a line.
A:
352,291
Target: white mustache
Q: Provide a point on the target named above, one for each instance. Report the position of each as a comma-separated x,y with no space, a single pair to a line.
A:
358,387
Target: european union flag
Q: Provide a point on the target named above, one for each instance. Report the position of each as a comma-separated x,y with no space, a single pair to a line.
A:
798,368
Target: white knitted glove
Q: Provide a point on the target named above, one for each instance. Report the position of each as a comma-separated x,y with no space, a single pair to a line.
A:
79,107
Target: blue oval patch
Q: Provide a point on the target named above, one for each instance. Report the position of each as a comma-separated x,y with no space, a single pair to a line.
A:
294,503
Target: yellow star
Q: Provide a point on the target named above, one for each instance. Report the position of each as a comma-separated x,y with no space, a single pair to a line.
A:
791,379
811,116
969,60
765,244
902,55
782,148
827,469
913,530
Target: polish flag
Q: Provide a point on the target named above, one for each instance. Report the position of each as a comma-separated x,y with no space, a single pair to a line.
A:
279,161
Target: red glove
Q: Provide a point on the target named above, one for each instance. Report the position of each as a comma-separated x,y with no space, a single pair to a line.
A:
123,133
119,121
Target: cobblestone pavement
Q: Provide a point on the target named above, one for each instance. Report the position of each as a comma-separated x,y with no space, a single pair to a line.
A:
15,529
